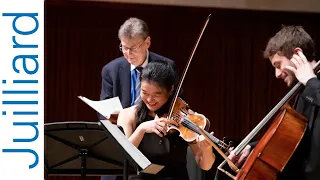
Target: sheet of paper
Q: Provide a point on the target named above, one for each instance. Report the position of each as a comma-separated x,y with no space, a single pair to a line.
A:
104,107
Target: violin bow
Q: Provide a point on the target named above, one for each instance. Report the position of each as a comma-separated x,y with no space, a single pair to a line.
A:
186,68
179,88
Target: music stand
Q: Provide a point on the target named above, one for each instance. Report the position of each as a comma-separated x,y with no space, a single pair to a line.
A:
88,148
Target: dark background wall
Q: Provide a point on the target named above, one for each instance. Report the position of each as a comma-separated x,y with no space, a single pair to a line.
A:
228,80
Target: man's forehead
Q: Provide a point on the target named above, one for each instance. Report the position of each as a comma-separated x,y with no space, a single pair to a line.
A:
130,39
275,58
271,59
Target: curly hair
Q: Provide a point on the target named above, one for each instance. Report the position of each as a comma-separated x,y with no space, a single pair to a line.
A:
287,39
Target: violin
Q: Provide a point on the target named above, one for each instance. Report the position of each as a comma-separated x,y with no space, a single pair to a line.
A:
189,125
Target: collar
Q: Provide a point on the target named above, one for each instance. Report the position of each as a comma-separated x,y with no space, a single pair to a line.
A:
144,64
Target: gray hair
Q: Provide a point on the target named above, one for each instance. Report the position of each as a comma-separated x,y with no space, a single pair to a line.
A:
133,27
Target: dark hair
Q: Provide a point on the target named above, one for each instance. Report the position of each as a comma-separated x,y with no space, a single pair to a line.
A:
162,74
287,39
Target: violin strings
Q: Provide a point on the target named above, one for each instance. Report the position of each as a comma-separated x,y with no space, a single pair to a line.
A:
190,124
187,123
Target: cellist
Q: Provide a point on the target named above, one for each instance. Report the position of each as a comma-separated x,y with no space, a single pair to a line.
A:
291,51
144,127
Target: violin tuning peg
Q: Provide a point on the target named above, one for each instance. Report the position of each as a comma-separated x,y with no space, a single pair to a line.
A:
230,143
224,139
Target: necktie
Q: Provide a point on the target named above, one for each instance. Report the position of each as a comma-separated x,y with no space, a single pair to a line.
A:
135,85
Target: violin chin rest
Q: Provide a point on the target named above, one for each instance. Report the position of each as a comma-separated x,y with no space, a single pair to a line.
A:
207,127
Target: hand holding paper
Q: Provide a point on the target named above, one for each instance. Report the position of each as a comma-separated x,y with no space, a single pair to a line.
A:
109,108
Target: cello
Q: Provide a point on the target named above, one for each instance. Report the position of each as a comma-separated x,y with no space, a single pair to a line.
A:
272,153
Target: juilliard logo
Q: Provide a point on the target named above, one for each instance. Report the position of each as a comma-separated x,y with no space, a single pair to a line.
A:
21,91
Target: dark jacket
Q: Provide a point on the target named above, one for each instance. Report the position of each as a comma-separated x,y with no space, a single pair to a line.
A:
116,78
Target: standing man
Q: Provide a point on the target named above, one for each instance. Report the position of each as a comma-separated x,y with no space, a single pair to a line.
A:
292,53
120,77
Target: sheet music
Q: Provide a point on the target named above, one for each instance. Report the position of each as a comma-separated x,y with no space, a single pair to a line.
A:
104,107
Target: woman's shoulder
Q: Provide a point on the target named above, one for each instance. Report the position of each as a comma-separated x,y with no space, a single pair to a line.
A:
128,113
130,110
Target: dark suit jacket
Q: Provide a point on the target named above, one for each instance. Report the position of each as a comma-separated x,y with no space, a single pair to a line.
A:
116,78
308,151
305,162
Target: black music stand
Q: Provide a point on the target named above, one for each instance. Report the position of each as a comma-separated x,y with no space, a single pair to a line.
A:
92,149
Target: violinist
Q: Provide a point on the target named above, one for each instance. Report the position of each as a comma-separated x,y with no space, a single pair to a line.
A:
292,53
146,128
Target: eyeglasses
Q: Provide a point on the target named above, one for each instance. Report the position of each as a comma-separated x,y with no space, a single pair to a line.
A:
134,49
